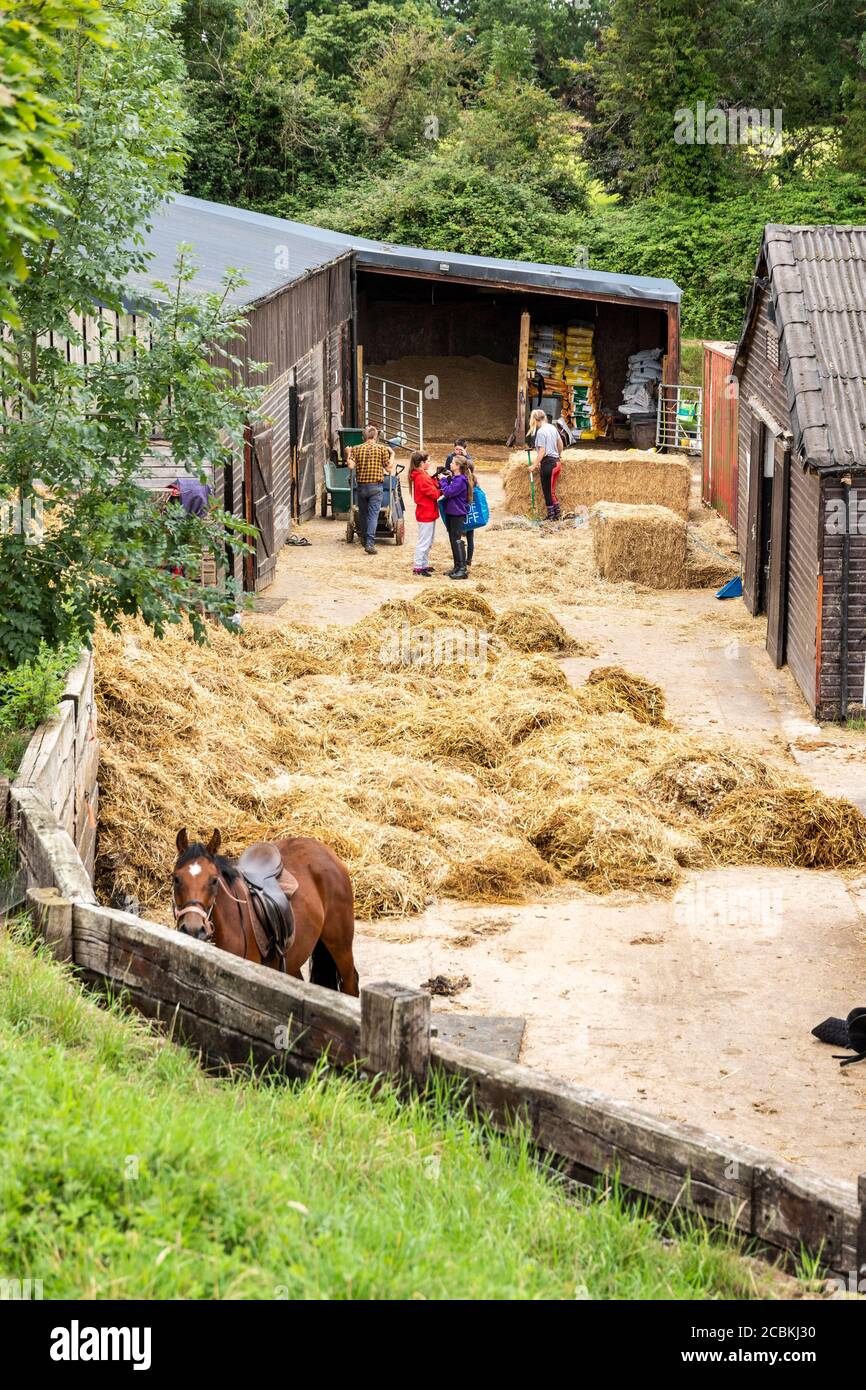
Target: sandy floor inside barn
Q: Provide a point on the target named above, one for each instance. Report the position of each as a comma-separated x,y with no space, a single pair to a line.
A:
698,1007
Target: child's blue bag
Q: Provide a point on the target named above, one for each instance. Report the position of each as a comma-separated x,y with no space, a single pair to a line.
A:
479,511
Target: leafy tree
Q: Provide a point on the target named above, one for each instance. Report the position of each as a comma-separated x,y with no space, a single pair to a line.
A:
33,132
78,433
708,246
454,207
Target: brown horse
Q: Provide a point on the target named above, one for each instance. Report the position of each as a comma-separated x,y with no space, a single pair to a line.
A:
211,902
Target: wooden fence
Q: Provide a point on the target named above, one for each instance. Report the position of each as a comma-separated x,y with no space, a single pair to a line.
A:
235,1012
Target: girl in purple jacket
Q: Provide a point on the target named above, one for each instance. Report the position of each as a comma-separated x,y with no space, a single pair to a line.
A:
457,488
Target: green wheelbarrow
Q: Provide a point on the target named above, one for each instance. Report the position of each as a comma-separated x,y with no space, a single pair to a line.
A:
337,490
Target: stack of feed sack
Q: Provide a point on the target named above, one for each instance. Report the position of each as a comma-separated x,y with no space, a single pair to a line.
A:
642,380
547,353
580,373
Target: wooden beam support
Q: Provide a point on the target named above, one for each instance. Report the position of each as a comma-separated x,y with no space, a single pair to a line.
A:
395,1031
522,359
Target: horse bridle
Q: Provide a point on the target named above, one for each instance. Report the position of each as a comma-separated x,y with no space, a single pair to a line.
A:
206,914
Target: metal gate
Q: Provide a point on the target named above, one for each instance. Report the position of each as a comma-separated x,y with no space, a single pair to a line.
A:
679,422
395,409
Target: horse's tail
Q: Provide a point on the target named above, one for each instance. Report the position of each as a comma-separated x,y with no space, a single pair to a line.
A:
323,970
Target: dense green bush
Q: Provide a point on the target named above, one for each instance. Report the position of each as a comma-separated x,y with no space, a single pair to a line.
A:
454,207
29,693
709,247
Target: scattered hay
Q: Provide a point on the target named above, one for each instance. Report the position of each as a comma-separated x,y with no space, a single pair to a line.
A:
596,475
712,557
610,688
611,841
487,783
455,602
533,669
533,628
642,544
496,868
699,777
796,827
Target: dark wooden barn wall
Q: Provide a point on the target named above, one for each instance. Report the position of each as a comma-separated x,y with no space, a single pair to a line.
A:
290,331
761,380
831,611
620,330
293,321
392,328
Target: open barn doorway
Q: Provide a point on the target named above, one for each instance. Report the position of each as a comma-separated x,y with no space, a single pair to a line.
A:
456,343
476,352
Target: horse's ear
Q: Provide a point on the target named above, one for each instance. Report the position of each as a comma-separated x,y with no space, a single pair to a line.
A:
213,843
182,841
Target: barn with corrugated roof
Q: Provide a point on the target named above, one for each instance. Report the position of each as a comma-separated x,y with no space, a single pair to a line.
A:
425,344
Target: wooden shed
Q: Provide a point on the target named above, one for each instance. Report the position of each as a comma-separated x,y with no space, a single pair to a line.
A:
801,519
298,305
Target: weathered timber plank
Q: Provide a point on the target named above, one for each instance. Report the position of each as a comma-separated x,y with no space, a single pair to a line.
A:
215,986
52,920
48,853
217,1043
395,1030
48,763
794,1208
594,1133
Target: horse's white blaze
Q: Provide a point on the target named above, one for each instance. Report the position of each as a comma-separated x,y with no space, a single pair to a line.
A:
195,869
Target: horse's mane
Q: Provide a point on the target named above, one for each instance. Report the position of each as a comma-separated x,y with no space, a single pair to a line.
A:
197,851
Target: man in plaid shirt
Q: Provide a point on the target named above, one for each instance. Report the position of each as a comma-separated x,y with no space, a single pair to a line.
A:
371,461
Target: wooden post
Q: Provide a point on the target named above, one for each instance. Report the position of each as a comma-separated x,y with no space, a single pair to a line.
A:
522,357
52,918
395,1031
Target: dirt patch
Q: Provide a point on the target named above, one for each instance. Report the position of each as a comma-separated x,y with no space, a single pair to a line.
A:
474,397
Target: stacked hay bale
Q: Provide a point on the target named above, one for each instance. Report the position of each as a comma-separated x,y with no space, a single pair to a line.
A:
594,475
641,544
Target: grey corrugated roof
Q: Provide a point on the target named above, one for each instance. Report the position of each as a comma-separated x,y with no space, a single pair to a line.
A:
817,279
273,252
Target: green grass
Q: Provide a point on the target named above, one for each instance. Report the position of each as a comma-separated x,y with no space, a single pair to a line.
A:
13,743
692,362
129,1173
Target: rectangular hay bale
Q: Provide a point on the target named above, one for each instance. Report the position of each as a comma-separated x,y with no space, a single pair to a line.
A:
641,544
603,475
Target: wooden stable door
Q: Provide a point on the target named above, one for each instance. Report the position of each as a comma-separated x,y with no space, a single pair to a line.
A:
777,584
263,503
258,505
753,517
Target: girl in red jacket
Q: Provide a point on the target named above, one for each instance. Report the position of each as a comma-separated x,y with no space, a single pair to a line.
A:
426,492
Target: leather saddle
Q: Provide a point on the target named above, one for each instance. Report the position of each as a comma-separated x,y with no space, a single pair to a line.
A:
271,888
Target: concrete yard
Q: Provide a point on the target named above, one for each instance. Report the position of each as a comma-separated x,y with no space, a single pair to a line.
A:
697,1006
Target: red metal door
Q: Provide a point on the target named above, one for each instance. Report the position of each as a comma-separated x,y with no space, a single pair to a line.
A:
720,458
